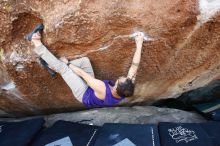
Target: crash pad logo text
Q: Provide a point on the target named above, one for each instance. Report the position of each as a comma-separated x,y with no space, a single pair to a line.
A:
182,134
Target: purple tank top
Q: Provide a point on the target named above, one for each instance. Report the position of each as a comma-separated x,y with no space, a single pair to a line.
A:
90,100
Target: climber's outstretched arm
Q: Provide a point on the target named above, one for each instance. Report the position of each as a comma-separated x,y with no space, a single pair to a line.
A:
137,57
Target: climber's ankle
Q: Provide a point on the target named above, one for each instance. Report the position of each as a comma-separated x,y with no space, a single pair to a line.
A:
37,43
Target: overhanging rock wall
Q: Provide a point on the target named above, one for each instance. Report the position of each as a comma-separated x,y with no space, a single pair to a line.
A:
184,53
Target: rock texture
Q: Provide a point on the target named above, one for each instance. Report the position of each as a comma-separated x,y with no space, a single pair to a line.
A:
130,115
208,93
182,55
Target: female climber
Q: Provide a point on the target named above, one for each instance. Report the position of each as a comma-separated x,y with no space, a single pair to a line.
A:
79,75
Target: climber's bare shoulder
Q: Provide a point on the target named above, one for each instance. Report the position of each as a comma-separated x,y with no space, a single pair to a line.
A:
99,88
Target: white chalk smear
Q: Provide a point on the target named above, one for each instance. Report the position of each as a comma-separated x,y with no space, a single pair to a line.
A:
208,8
20,67
16,57
8,86
146,37
106,46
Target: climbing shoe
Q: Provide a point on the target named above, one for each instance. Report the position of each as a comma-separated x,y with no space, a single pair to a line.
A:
39,27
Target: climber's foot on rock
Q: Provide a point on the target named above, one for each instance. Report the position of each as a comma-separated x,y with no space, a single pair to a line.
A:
36,36
36,39
38,28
